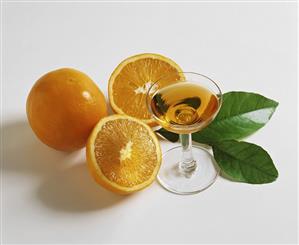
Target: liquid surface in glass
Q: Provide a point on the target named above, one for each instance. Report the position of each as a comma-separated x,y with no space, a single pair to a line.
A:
184,103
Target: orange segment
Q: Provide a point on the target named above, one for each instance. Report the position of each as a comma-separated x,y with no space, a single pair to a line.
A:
116,154
133,77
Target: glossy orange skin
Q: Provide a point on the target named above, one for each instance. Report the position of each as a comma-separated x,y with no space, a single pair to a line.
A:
62,108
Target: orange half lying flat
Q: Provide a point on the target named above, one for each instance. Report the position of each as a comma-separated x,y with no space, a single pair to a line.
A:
123,154
132,78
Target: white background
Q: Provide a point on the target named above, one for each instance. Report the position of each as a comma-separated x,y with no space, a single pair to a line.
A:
49,197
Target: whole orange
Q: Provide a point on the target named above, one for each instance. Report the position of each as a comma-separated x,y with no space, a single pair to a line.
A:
63,106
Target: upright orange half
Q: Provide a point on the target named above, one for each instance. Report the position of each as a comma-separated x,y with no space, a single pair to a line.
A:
123,154
132,78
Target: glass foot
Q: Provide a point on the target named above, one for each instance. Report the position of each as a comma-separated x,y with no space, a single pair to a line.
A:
175,179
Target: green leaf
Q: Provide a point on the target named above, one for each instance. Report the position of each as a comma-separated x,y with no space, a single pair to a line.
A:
167,135
241,114
245,162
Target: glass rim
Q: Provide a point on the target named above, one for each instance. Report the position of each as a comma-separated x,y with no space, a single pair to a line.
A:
181,127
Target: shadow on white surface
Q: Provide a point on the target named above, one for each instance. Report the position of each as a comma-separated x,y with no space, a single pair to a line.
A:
24,153
64,186
73,190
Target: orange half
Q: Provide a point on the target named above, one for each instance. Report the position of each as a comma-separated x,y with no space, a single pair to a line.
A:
132,78
123,154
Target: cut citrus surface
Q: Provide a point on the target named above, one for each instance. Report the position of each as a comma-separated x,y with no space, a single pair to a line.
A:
123,154
130,81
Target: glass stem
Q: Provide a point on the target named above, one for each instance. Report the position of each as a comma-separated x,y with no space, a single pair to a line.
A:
187,164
